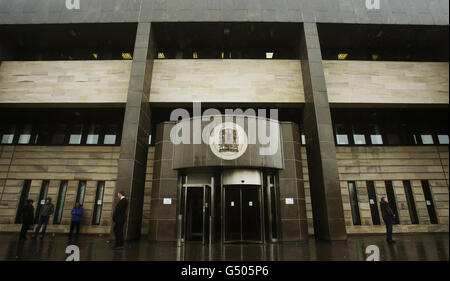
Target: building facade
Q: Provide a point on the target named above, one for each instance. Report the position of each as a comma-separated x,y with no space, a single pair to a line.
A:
334,104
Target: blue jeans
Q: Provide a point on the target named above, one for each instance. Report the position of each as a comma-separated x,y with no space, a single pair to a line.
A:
43,221
389,224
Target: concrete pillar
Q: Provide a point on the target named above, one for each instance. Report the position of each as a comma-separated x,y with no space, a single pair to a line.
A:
136,129
328,213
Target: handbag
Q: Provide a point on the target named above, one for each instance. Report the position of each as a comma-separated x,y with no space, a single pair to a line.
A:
31,227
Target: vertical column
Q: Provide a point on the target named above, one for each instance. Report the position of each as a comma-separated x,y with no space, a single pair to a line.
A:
136,129
328,213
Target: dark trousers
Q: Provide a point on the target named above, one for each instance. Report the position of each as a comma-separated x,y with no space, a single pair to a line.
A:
74,224
43,221
23,231
389,225
118,232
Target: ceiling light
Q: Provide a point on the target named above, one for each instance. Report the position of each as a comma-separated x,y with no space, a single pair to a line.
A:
342,56
127,56
161,55
269,55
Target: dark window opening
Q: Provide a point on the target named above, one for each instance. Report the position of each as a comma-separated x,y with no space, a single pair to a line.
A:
429,202
392,202
51,42
98,203
60,203
61,126
42,198
23,200
81,192
373,203
354,203
411,203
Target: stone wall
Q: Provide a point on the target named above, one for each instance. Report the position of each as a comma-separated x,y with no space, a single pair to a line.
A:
57,163
413,163
68,82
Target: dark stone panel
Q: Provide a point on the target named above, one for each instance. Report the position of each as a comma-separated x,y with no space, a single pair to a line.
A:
166,230
168,188
288,188
289,211
323,172
133,151
152,229
290,230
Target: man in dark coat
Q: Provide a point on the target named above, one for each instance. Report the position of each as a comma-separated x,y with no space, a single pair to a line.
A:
388,216
27,219
119,218
44,217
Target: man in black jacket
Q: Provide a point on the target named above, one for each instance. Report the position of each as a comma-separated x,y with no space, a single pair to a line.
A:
388,216
27,219
119,218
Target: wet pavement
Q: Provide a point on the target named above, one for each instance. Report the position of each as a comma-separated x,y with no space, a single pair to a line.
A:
409,247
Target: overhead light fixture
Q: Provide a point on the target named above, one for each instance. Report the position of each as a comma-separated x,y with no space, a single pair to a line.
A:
127,56
342,56
375,57
269,55
161,55
95,55
195,55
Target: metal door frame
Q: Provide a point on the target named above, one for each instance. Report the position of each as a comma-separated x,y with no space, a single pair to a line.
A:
181,213
261,212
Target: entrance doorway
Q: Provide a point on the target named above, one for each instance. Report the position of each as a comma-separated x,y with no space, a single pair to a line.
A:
195,210
242,214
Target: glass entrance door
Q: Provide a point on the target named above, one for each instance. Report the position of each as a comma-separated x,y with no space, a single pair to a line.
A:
196,202
242,220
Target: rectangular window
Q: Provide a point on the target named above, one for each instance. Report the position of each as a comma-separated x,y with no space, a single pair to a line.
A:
392,202
7,133
23,200
111,133
443,139
60,203
354,203
373,203
427,139
93,134
98,203
76,134
25,134
411,204
429,202
42,197
342,135
81,192
376,139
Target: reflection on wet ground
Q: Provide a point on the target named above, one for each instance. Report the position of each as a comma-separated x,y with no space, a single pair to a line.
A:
409,247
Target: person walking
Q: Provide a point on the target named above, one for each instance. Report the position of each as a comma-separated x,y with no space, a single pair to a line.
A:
388,217
77,212
27,219
44,217
119,218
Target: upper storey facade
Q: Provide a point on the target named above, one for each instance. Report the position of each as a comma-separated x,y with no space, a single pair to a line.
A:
406,12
